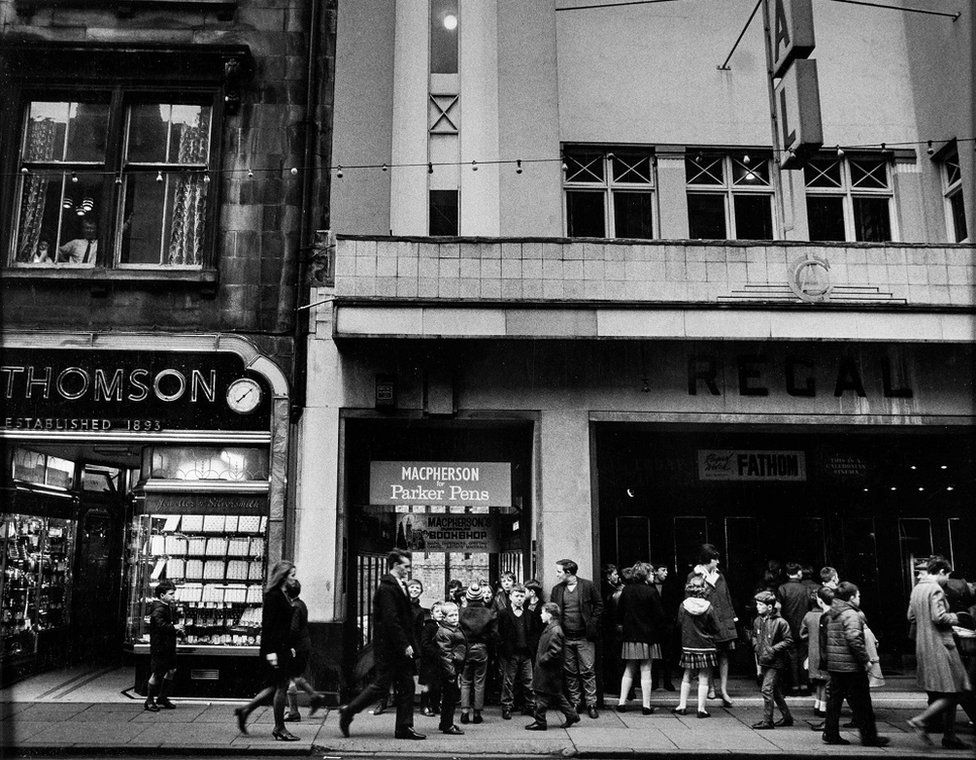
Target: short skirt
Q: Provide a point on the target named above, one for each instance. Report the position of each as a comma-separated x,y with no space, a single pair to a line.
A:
695,660
640,650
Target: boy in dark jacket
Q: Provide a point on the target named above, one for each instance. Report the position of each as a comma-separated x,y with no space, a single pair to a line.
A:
163,631
515,636
450,646
772,641
547,677
477,622
430,679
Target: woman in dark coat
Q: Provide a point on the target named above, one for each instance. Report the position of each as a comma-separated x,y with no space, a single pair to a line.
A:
276,649
642,622
163,630
717,593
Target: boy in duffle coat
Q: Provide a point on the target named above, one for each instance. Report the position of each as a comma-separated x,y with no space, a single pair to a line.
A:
772,641
547,676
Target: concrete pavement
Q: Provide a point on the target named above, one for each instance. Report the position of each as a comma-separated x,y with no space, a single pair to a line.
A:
195,728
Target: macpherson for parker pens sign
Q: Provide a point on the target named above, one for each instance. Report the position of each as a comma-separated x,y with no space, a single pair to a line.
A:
751,465
450,484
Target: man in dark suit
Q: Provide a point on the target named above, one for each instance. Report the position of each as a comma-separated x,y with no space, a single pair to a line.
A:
671,598
580,608
393,645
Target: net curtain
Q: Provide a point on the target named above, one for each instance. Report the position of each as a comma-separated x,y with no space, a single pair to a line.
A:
40,147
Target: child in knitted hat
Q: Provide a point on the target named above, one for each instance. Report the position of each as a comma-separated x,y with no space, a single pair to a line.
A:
477,623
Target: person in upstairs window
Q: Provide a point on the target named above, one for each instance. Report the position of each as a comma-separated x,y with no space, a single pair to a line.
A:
81,250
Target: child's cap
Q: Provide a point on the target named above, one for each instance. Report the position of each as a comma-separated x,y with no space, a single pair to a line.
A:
766,597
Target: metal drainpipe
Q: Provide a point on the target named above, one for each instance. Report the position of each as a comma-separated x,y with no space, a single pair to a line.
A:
300,288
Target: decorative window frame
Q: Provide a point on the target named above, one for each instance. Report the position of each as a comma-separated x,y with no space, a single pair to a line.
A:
848,188
211,75
728,186
575,173
950,173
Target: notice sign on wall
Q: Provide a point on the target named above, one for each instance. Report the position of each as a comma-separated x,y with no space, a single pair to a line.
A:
448,533
751,465
470,484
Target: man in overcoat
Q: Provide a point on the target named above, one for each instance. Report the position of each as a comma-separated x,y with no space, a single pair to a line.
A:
393,645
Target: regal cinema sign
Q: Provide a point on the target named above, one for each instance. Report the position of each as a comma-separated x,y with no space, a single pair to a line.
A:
751,465
451,484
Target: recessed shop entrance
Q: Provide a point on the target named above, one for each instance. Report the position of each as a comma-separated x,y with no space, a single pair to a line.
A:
455,493
866,501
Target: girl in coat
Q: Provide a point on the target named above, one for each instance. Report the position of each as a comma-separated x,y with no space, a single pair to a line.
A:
940,669
302,649
163,631
451,647
810,631
276,616
717,592
641,620
699,627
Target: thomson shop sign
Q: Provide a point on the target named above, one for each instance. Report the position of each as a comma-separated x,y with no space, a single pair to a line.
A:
453,484
101,391
751,465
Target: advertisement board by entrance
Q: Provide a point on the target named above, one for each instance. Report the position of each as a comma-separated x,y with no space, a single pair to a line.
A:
478,484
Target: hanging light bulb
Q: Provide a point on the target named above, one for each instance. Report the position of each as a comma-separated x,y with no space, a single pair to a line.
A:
206,178
159,176
565,167
385,167
74,177
294,171
746,160
250,174
610,156
118,179
840,152
698,158
518,166
339,171
930,150
884,147
474,166
430,168
24,170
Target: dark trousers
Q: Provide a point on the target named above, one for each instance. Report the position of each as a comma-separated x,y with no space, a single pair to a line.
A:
799,678
854,688
516,672
772,693
398,673
450,696
544,702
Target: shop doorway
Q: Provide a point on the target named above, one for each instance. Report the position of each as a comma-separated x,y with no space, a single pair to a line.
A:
868,502
456,494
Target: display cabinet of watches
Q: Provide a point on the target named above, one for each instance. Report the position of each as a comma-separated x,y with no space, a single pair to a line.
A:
217,563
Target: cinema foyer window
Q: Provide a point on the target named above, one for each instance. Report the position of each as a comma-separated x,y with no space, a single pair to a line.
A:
729,196
609,193
848,199
954,205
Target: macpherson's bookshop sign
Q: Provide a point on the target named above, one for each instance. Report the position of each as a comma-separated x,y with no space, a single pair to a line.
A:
452,484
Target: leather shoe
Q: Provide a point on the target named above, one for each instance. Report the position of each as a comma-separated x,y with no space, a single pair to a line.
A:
783,722
408,733
241,719
452,731
818,726
680,710
762,726
570,722
477,717
647,711
506,714
837,741
345,718
537,726
593,713
465,718
284,735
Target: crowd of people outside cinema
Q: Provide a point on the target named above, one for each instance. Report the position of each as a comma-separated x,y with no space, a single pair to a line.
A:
807,636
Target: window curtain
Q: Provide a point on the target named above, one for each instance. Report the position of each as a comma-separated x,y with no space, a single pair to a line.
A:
40,147
190,198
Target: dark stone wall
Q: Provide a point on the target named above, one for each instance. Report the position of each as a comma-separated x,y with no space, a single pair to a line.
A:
259,220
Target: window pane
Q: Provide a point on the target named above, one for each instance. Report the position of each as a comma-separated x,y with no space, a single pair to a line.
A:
825,217
632,215
753,217
704,170
823,172
871,222
66,132
629,166
755,173
584,166
871,173
169,133
958,209
59,218
163,224
584,214
443,37
706,216
952,170
443,212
